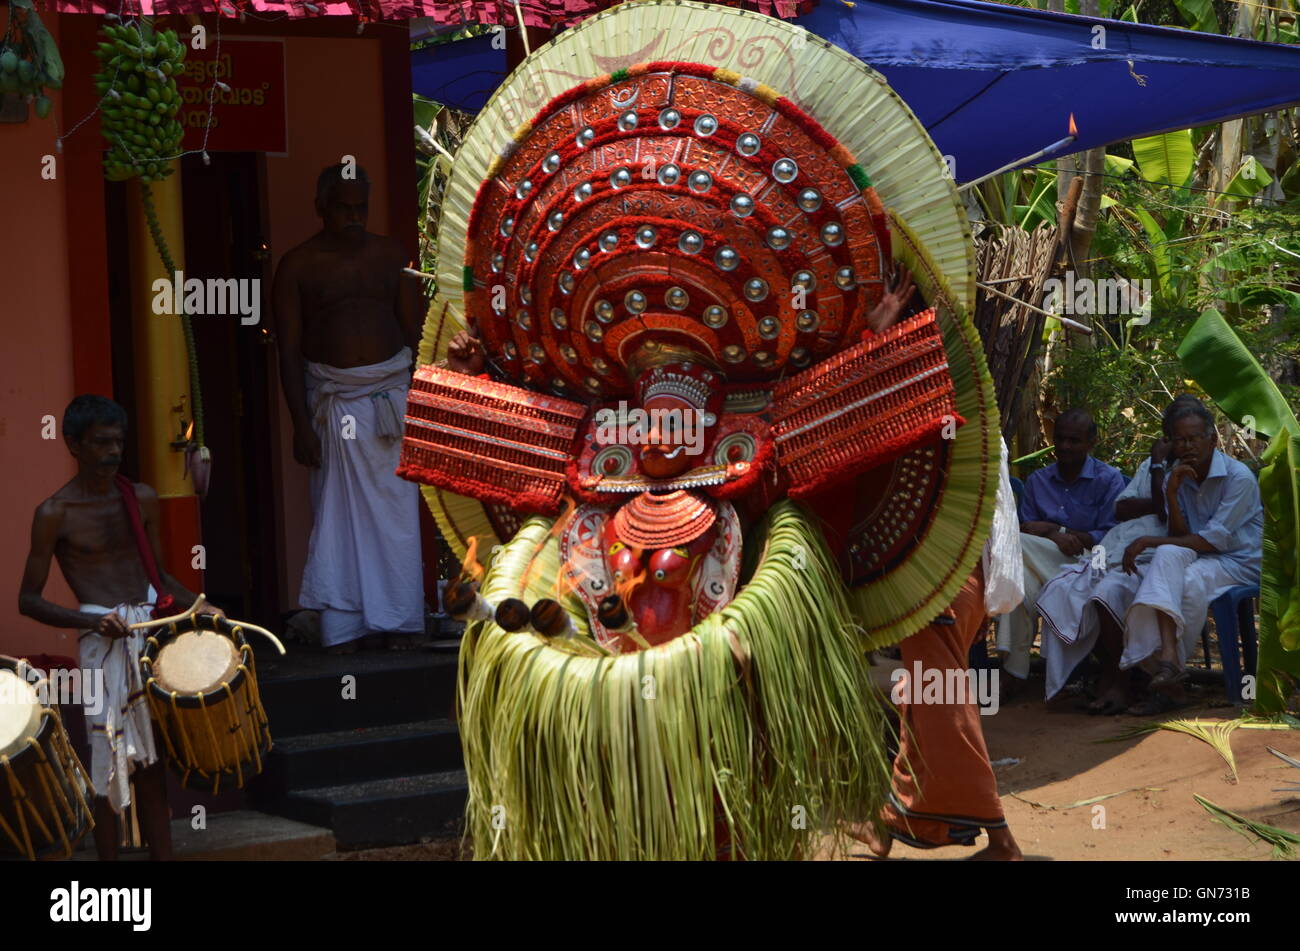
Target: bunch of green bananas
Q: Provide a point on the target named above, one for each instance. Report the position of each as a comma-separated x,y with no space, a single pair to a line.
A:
138,114
29,60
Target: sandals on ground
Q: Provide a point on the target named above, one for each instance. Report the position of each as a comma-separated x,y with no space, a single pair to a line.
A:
1168,673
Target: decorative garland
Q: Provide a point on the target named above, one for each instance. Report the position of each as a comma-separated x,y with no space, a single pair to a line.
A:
187,327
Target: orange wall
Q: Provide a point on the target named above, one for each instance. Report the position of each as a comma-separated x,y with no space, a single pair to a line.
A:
35,363
333,111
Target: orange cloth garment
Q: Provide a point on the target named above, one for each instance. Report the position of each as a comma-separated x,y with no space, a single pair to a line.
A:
944,790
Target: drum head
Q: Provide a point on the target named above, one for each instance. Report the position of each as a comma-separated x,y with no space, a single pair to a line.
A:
20,712
196,662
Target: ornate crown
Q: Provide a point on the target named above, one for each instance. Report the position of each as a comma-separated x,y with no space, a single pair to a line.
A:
687,381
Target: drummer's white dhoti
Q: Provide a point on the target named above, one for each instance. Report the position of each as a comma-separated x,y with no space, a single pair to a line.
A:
1175,581
121,732
364,572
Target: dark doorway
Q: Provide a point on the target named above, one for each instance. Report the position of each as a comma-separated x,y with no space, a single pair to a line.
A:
224,238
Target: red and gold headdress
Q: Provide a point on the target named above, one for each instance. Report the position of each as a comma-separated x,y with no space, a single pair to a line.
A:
674,202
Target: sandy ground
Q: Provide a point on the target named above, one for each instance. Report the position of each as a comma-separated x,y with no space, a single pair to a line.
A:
1155,816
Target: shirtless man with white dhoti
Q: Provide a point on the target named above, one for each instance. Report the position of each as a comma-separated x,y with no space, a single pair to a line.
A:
1147,609
87,526
348,322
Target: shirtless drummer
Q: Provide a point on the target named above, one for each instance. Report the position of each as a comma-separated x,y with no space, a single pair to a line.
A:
86,527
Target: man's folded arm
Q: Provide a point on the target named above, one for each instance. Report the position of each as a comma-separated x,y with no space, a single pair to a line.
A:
1193,541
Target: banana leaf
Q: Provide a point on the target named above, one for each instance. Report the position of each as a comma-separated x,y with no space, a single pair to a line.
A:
1199,15
1278,661
1250,179
1118,164
1167,158
1159,249
1215,357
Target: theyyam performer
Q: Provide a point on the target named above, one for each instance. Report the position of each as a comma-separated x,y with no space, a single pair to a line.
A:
700,387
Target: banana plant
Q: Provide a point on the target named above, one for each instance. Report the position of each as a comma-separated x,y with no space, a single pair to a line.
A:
1215,357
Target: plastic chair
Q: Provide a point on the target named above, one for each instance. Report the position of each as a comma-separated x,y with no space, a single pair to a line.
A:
1234,621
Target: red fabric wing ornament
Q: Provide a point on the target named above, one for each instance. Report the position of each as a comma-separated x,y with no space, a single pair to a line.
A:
491,441
865,407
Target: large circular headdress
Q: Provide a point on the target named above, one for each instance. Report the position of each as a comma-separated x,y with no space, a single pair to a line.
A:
671,202
687,175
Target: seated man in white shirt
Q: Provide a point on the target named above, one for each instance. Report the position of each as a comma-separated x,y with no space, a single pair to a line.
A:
1148,609
1065,510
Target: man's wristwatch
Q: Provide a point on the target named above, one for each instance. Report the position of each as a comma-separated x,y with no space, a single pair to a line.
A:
1062,530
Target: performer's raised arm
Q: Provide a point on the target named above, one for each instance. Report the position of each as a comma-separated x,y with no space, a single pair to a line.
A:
465,354
887,313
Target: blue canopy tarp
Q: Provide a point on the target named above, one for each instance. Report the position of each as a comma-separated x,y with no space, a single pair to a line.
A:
993,83
462,74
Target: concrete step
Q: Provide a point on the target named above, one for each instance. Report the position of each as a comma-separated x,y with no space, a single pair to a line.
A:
381,812
240,836
309,692
346,756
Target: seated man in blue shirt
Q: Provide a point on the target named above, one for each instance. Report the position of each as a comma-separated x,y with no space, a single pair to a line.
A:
1149,609
1066,508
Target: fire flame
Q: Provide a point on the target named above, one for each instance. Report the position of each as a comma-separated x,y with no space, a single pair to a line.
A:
470,569
189,431
562,520
1074,129
625,586
567,580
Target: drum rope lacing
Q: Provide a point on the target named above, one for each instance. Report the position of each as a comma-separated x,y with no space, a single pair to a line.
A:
71,767
249,748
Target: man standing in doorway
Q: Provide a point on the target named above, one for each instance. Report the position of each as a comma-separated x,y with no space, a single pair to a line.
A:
348,322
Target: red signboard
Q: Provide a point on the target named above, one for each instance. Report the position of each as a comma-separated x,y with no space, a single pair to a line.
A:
236,94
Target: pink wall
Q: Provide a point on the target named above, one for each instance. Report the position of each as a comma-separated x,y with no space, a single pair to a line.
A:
35,364
335,107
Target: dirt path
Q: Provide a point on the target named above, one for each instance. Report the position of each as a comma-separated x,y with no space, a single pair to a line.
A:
1059,764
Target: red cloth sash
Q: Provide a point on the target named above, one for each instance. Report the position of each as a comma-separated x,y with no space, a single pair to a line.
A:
165,605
